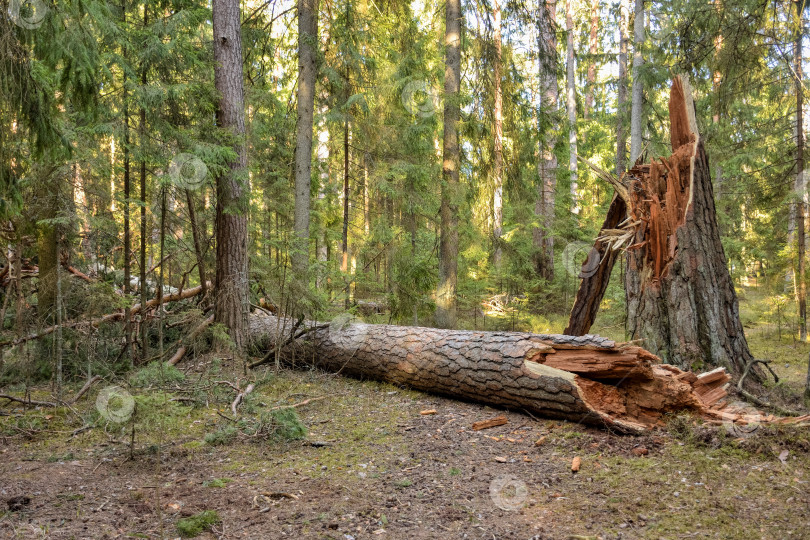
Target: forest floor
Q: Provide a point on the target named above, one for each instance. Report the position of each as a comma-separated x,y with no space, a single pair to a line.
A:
372,466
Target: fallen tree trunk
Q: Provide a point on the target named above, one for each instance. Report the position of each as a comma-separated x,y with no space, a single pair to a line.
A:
586,379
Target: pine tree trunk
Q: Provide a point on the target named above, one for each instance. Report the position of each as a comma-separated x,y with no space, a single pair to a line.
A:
638,61
586,379
448,242
571,103
621,102
680,297
542,237
497,166
307,56
231,303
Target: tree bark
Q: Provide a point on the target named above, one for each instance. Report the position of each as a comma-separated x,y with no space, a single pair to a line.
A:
542,237
638,61
307,69
231,302
571,103
621,102
585,379
497,166
448,242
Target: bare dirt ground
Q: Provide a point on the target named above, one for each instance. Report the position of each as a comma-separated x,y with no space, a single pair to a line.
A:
372,466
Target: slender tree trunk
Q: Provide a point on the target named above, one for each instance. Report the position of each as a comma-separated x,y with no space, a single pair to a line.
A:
144,293
127,226
450,188
497,199
547,114
344,259
323,162
638,61
621,103
592,49
366,193
801,290
47,244
196,235
58,334
571,103
307,56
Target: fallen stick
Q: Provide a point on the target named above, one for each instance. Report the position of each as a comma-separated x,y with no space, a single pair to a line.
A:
241,397
85,388
181,351
299,404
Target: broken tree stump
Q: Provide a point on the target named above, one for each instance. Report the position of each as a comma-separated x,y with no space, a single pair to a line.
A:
680,297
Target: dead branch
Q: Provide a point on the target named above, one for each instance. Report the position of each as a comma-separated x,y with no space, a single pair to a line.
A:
241,397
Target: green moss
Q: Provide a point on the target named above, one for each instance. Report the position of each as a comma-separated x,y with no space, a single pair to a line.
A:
192,526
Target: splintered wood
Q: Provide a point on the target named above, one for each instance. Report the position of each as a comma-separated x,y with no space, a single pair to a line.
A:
492,422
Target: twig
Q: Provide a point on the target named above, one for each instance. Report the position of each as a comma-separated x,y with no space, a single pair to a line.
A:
29,401
240,398
300,404
85,388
